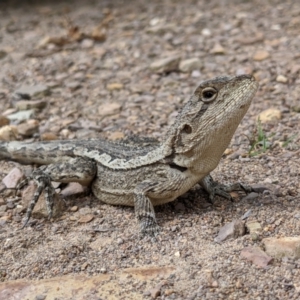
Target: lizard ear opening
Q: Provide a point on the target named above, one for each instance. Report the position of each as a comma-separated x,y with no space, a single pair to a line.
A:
209,94
187,128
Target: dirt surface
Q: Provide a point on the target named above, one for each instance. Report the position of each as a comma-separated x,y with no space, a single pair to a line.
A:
96,60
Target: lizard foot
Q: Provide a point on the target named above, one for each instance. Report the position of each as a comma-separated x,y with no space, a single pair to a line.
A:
149,228
214,188
43,182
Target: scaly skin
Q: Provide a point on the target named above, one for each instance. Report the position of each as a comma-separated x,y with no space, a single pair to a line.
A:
143,172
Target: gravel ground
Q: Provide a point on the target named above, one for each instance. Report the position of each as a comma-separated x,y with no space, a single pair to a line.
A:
97,59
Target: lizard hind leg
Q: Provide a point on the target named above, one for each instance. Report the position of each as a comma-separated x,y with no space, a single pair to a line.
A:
43,182
77,169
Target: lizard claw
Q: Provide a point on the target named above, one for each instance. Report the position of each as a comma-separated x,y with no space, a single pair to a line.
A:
150,229
214,188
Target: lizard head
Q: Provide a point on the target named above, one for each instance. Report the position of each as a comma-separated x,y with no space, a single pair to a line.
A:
213,113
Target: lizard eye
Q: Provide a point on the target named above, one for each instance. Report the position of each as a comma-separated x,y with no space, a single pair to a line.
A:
209,94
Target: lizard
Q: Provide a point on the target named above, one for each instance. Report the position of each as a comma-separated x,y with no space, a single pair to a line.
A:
143,172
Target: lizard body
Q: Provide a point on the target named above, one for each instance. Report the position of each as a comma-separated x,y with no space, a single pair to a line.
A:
144,172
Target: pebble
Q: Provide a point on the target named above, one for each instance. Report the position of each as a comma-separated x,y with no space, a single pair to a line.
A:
283,246
114,86
27,104
190,65
282,79
217,49
261,55
27,92
13,178
49,136
109,109
233,229
164,65
8,133
155,292
251,196
29,128
257,256
74,208
87,43
116,135
254,229
269,115
86,219
22,115
73,189
206,32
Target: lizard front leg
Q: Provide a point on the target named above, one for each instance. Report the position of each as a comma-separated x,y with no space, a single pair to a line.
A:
144,210
214,188
78,169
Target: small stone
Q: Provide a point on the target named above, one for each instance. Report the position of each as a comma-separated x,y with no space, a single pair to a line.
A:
116,135
256,256
284,246
269,115
206,32
73,189
4,121
74,208
190,65
109,109
169,292
8,133
233,229
246,215
114,86
217,49
87,43
73,85
12,179
29,128
120,241
10,205
282,79
49,136
215,284
27,104
165,65
155,292
86,219
254,229
5,219
261,55
251,196
22,115
27,92
177,254
196,74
